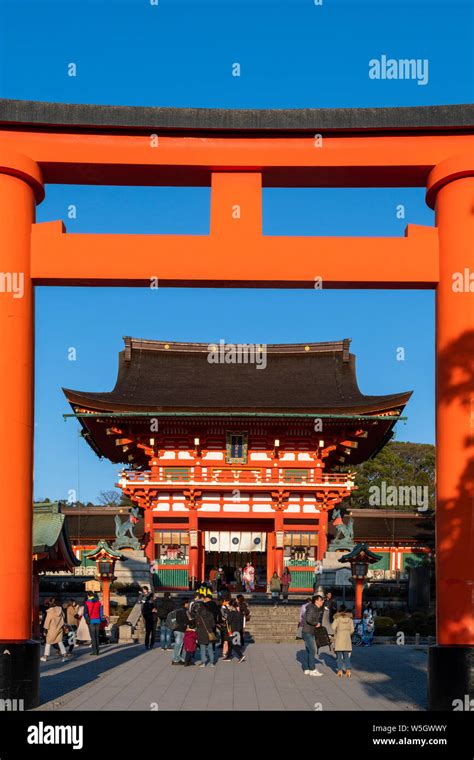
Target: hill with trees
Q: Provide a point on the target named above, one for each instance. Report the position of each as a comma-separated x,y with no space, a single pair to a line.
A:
397,464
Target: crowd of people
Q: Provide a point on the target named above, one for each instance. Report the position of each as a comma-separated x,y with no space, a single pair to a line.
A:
202,623
68,626
206,623
242,578
246,578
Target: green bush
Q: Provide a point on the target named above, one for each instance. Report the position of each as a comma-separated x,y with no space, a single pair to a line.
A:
418,623
395,614
419,617
384,626
408,626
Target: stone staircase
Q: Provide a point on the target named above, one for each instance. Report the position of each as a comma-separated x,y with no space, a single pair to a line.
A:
269,624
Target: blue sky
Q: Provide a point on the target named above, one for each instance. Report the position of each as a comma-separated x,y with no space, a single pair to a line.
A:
292,54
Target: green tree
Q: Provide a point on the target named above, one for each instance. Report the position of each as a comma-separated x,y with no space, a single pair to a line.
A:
397,464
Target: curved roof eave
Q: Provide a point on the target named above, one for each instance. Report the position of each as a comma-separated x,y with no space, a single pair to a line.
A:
104,403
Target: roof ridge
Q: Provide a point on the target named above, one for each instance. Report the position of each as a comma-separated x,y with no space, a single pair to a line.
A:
153,344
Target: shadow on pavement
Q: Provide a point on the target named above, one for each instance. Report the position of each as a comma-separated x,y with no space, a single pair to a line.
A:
57,681
401,671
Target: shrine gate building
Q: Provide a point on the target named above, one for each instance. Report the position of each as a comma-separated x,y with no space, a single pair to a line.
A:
236,461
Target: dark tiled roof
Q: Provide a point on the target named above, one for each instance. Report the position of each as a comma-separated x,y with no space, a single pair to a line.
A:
159,376
90,525
51,536
373,526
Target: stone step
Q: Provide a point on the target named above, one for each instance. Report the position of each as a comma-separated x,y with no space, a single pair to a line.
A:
275,613
252,623
250,626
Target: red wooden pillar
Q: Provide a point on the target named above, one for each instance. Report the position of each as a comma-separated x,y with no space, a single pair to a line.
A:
149,533
271,562
359,589
451,663
193,546
279,550
202,555
20,187
106,596
322,534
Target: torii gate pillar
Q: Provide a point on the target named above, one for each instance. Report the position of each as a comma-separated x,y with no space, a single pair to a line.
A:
20,186
451,662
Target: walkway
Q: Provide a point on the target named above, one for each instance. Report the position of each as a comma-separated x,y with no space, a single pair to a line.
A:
385,677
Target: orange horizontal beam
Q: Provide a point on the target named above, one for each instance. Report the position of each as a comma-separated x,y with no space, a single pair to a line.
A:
338,160
238,260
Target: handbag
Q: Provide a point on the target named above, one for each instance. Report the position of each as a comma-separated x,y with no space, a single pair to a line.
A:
321,637
211,635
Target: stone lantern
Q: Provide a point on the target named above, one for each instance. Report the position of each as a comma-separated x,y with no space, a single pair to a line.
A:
360,558
105,558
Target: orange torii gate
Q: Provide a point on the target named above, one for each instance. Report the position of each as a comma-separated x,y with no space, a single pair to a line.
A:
237,153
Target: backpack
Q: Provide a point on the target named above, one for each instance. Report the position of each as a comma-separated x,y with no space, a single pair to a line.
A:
162,608
194,608
172,620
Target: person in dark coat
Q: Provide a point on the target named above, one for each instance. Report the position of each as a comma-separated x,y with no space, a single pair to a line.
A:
312,619
213,608
244,611
331,605
163,608
149,616
205,629
182,621
234,629
224,610
238,578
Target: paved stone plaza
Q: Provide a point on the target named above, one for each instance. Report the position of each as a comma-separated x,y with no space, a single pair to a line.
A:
129,678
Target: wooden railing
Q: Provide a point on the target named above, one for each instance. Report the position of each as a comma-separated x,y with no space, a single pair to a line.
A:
234,476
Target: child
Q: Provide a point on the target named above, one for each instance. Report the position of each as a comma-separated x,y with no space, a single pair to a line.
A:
190,643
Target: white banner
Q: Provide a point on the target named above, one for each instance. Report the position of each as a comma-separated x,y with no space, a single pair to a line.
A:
211,541
235,541
259,542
